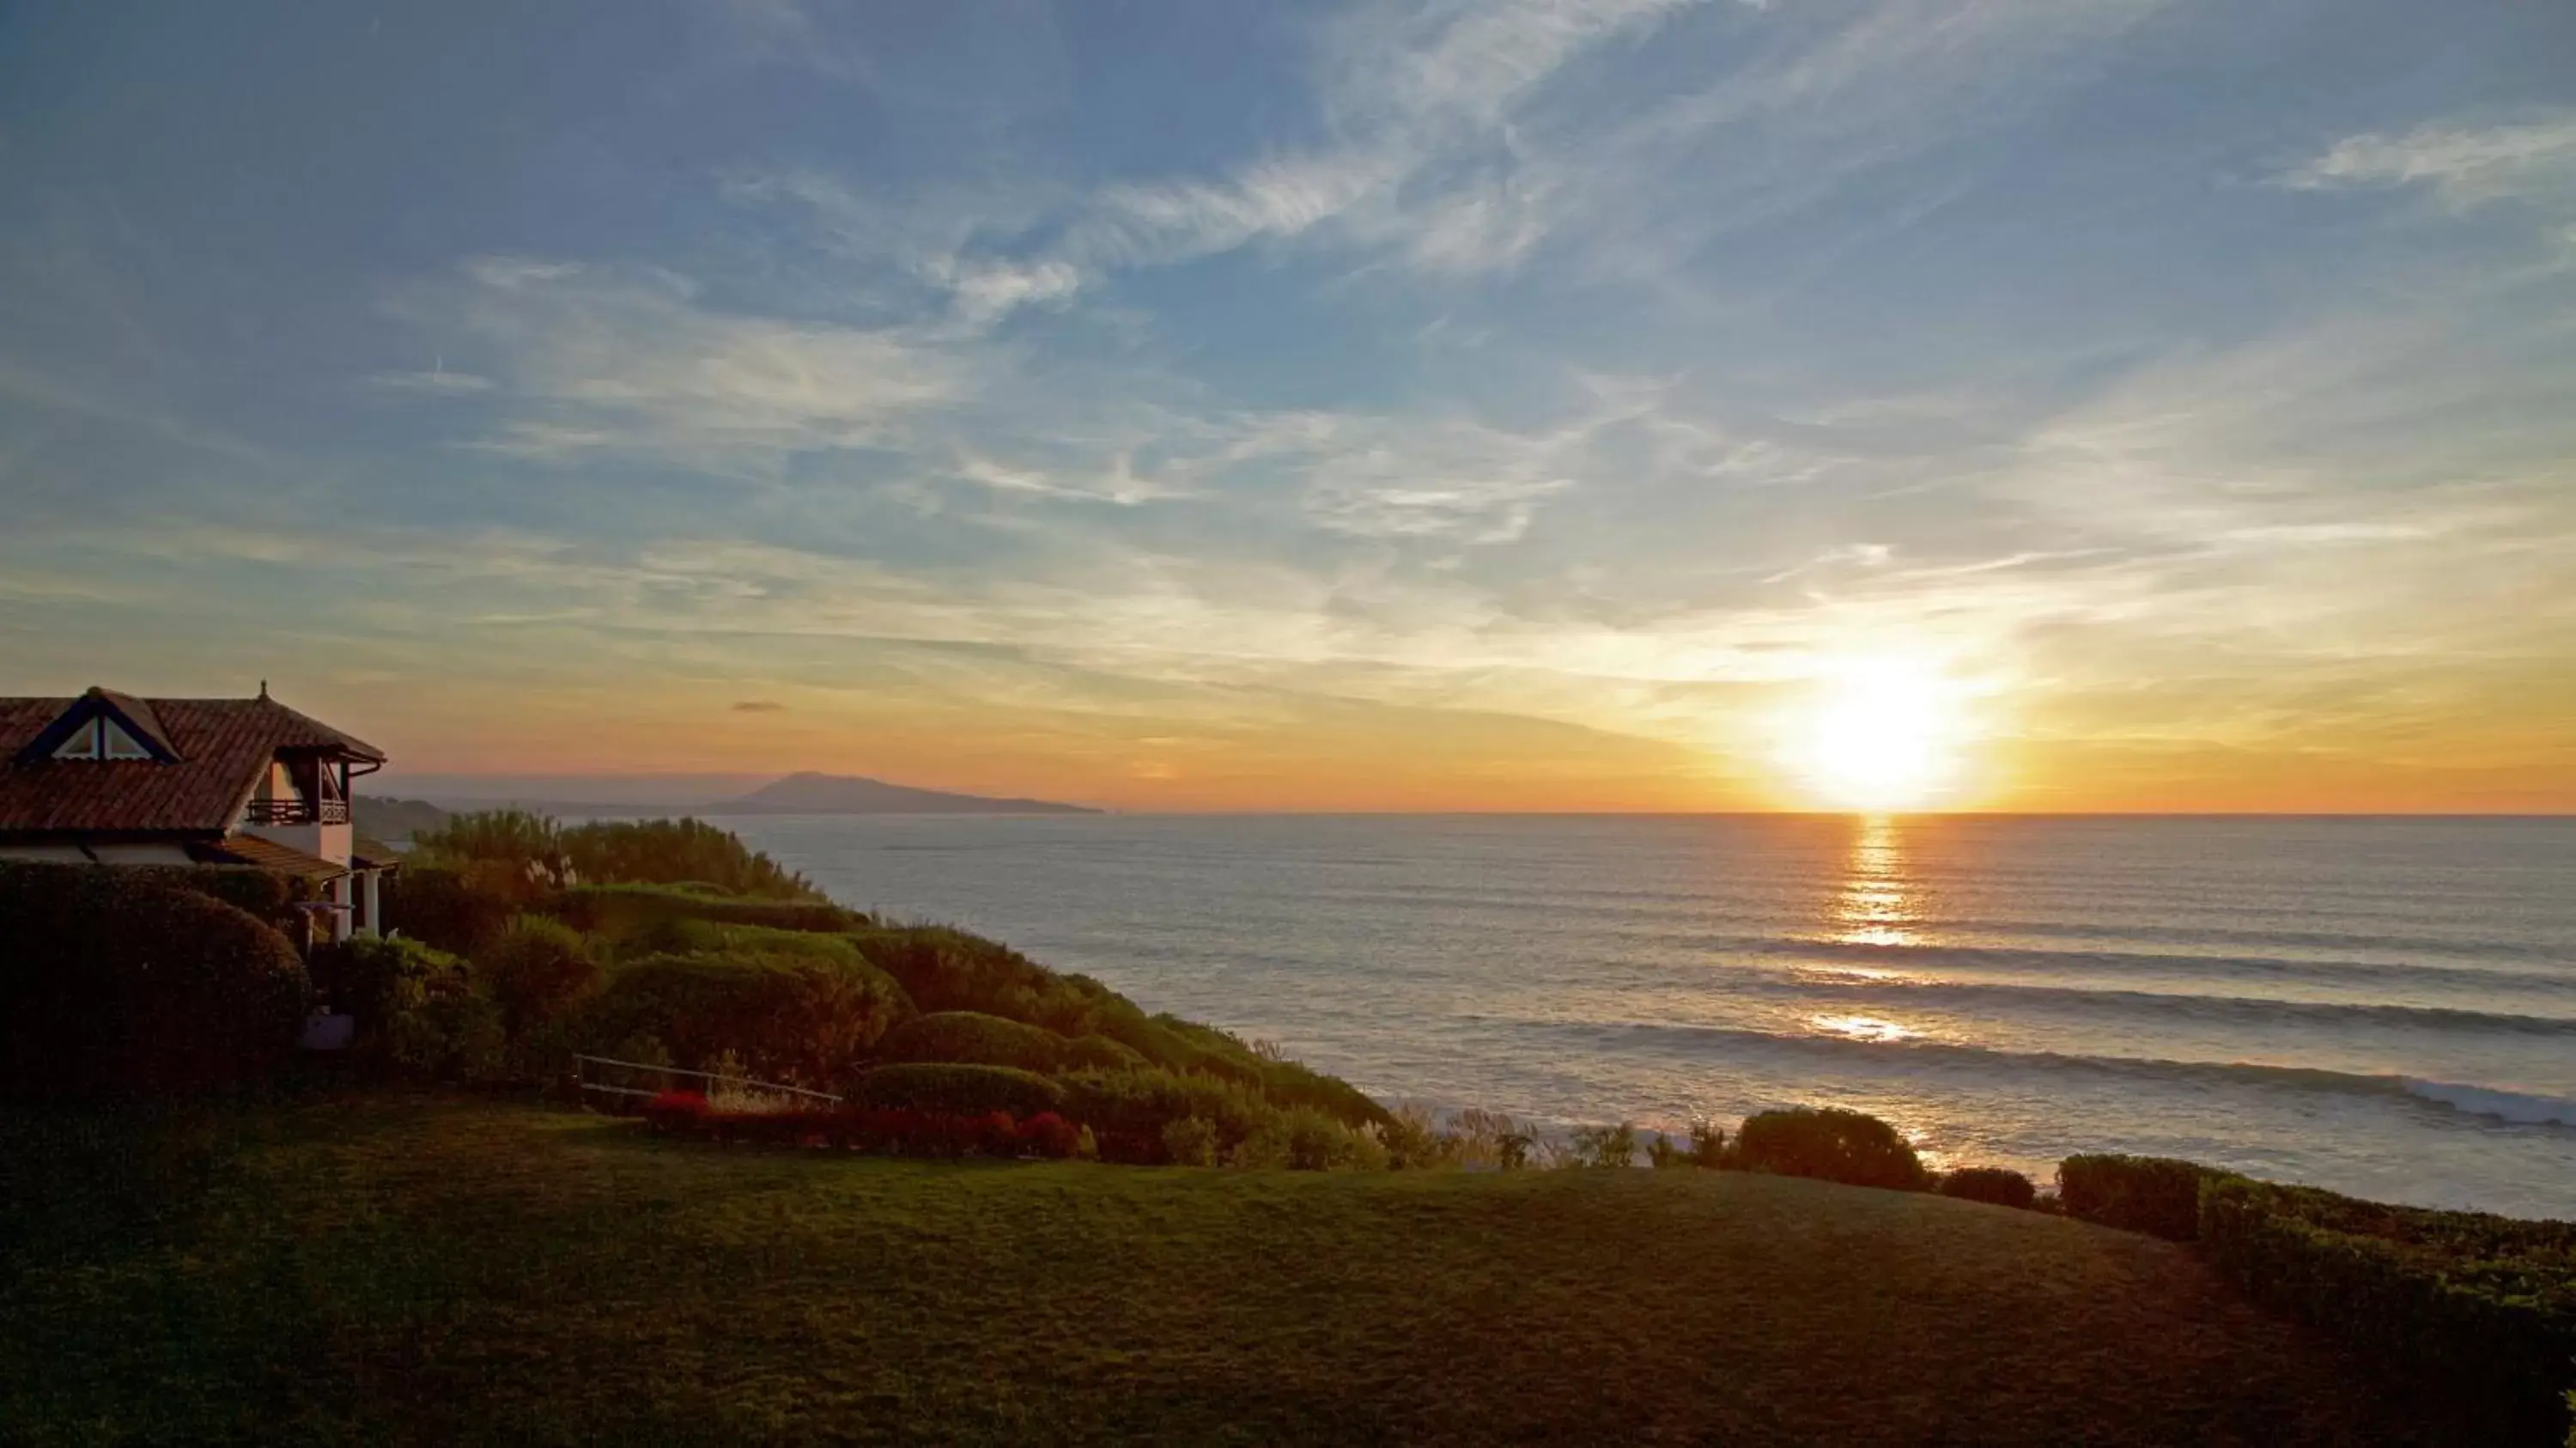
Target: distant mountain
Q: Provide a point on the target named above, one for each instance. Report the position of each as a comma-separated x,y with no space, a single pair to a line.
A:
395,819
811,793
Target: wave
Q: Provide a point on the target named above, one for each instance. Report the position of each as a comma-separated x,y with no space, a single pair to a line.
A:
1828,981
2514,1106
2518,1108
2344,972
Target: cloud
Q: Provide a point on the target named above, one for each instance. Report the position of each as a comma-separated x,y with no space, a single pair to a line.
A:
438,383
759,706
2465,166
633,361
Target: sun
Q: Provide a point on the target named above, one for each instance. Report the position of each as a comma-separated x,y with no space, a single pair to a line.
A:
1879,736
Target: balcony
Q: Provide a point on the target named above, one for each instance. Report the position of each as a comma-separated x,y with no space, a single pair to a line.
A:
296,812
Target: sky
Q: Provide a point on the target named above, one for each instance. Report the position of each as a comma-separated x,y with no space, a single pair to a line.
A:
1528,404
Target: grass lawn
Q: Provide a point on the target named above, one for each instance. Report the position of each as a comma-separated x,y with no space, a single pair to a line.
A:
407,1269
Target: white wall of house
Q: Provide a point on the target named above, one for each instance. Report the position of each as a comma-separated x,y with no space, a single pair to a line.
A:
331,842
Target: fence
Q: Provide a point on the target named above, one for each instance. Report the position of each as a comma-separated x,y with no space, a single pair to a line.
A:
626,1082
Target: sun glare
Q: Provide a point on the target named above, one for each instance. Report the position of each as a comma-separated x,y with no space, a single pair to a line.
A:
1880,736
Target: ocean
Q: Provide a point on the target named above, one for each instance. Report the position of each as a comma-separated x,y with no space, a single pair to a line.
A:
2381,1006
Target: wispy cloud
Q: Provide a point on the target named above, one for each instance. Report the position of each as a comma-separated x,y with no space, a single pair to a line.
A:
2465,166
632,360
437,383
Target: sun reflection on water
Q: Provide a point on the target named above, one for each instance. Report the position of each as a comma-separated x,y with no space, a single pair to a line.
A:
1860,1028
1879,897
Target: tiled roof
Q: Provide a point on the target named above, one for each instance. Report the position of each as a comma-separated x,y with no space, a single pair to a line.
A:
140,715
222,745
269,855
373,854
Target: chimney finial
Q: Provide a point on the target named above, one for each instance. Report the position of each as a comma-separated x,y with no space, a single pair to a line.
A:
263,688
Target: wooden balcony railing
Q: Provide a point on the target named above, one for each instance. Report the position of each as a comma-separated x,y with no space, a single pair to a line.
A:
296,812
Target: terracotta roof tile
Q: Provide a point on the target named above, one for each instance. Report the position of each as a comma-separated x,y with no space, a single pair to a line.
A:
268,855
222,744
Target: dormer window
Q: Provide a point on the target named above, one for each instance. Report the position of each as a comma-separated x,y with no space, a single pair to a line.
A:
101,738
102,725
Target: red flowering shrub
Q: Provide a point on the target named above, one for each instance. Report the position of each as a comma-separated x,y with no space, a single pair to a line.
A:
1049,1136
675,1110
997,1135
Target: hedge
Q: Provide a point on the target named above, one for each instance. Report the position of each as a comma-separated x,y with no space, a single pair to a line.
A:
2474,1313
377,979
114,984
1997,1185
258,893
1100,1053
957,1090
2157,1195
439,907
975,1038
625,909
807,1019
1830,1144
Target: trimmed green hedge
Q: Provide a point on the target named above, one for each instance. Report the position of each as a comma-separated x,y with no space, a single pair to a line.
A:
1830,1144
2474,1312
973,1038
677,851
377,979
802,1018
1099,1053
1997,1185
621,910
113,984
2157,1195
258,893
440,907
951,970
957,1090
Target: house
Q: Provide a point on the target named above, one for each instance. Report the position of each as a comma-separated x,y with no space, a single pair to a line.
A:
117,780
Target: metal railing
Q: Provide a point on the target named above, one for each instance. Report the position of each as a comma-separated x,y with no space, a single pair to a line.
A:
582,1065
296,812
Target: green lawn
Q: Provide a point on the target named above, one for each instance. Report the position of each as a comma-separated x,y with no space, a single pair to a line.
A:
438,1270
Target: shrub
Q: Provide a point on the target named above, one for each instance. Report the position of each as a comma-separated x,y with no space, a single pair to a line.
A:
1319,1141
971,1036
116,985
807,1019
675,1110
375,978
1099,1053
2473,1313
1707,1144
535,970
1413,1141
958,1090
439,907
1489,1138
1190,1141
1050,1136
2157,1195
1130,1109
254,892
456,1036
668,852
1830,1144
1602,1146
508,855
1994,1184
625,911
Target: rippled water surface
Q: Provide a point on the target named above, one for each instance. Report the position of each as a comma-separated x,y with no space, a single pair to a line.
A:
2382,1006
